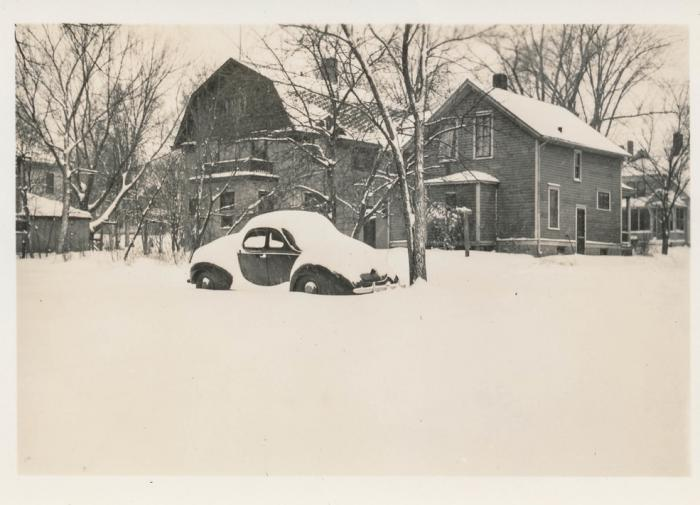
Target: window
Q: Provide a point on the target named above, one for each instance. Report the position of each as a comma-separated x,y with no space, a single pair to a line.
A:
447,141
603,200
258,149
483,135
49,183
266,204
577,166
226,202
451,200
255,239
312,201
679,221
362,158
641,220
553,207
276,240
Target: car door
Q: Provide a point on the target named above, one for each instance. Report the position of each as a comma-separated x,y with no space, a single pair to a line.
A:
281,256
252,258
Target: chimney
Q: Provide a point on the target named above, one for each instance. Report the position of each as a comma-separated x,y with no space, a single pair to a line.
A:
630,147
677,144
329,69
500,81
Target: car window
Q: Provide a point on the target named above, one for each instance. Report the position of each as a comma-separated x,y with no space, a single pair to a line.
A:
255,239
290,239
276,240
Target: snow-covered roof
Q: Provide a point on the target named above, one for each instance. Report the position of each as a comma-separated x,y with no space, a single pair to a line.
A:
650,201
307,103
548,121
236,173
40,206
464,177
625,186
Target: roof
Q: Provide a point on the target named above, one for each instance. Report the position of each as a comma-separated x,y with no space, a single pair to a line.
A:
236,173
650,201
547,121
464,177
40,206
306,102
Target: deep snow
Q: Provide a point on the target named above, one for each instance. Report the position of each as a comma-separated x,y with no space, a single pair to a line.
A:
502,364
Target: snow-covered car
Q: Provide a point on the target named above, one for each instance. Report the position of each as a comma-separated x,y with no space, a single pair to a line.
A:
302,248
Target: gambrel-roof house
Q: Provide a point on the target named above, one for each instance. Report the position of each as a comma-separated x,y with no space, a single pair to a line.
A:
242,133
537,178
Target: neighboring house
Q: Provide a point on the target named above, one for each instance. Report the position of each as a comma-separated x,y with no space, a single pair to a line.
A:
242,134
39,233
536,177
640,214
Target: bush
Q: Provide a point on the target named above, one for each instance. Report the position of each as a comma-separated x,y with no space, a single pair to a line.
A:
445,227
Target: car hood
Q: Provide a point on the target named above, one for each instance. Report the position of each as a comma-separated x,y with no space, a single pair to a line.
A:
347,257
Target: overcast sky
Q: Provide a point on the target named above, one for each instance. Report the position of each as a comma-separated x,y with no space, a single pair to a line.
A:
208,46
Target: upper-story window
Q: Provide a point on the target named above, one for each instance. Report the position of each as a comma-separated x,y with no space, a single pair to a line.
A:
363,158
603,200
258,149
483,135
578,165
49,183
447,140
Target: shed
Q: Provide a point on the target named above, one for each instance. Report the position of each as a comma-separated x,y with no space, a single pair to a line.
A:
45,222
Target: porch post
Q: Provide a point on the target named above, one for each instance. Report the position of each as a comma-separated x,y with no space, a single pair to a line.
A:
465,223
629,219
477,214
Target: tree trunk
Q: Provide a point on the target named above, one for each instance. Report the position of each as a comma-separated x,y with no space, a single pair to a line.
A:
65,198
419,201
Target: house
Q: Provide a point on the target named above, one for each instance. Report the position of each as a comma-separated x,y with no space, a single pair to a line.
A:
246,133
641,223
537,178
38,231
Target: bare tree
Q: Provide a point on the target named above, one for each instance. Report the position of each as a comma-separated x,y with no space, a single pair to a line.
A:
588,69
94,97
664,159
55,65
406,63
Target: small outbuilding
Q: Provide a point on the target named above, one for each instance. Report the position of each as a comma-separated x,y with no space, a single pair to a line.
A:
39,232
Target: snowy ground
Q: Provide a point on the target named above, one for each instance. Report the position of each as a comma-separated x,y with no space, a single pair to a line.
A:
503,364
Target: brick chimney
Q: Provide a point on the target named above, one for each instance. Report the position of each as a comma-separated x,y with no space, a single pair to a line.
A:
500,81
630,147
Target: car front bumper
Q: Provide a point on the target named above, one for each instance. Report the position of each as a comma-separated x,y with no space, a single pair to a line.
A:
374,287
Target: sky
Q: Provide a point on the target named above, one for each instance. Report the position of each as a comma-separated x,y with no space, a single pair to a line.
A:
202,47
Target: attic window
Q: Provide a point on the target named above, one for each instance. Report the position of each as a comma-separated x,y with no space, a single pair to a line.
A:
560,129
578,168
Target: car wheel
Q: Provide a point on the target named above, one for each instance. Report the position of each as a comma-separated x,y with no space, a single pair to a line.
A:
210,279
313,284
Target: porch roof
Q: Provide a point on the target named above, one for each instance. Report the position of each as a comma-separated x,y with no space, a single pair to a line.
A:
464,177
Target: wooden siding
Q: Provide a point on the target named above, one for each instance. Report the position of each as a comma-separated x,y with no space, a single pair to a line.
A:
598,173
512,163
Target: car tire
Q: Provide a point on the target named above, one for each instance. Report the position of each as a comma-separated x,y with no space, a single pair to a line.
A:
316,280
211,279
313,284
